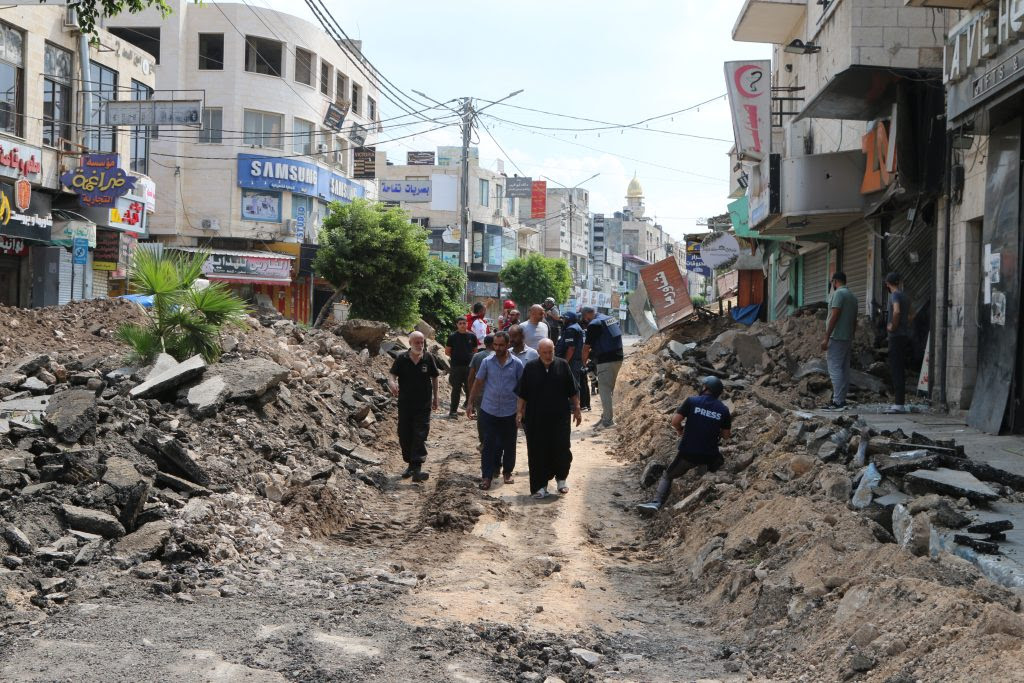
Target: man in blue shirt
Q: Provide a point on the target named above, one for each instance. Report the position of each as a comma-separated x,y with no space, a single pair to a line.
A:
707,421
570,347
496,382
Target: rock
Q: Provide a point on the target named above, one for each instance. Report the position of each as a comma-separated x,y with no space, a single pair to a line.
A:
425,329
898,464
586,657
892,499
16,539
9,379
52,584
162,364
365,455
93,521
30,364
865,635
694,499
870,480
228,343
708,557
678,350
132,489
814,366
828,452
749,352
924,503
147,570
363,334
652,473
862,663
70,414
36,386
919,536
207,397
953,483
945,515
145,543
769,341
180,485
997,619
179,374
251,378
800,465
172,456
836,486
12,561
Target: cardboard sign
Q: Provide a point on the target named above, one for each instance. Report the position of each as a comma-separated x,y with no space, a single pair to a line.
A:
667,292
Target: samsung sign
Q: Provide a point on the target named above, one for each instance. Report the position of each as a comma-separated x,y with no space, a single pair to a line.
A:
277,173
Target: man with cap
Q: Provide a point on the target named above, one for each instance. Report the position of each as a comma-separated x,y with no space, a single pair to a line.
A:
506,308
552,319
707,422
838,343
570,347
900,339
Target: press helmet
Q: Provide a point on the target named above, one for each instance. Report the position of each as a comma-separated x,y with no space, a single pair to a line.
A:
713,385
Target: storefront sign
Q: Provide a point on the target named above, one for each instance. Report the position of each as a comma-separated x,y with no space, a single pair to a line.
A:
720,249
364,165
519,187
694,264
63,233
18,160
22,194
405,190
276,173
984,55
12,246
666,290
419,158
146,188
538,199
334,119
34,223
341,189
99,181
131,217
108,250
880,149
246,267
749,88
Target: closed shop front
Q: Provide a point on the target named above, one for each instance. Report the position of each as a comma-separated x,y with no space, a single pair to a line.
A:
816,275
854,261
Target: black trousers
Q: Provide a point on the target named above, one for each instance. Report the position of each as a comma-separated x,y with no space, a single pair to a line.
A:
584,385
899,353
682,464
458,377
499,452
547,450
413,429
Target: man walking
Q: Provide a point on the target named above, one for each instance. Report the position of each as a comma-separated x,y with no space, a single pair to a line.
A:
414,381
519,348
547,393
707,422
495,383
899,340
460,348
511,318
535,328
570,347
552,319
603,342
838,342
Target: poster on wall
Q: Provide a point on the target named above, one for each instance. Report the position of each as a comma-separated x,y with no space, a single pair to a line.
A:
260,205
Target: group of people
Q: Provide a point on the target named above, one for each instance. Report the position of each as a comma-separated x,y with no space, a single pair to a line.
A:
528,375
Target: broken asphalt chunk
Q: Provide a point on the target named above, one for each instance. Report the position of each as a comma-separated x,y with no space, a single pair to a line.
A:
93,521
170,379
897,464
71,414
991,527
953,483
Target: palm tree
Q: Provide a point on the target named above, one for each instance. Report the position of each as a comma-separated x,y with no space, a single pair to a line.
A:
185,319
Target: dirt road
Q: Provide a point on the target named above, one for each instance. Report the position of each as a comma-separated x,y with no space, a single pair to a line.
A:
455,585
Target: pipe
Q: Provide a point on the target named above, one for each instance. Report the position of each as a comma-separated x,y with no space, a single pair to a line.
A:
87,85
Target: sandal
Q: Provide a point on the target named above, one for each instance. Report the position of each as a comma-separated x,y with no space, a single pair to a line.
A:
485,484
563,487
541,493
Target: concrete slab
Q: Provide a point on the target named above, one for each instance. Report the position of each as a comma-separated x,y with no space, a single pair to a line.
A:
952,482
1007,568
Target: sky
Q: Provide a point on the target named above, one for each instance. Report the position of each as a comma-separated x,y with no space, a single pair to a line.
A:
618,62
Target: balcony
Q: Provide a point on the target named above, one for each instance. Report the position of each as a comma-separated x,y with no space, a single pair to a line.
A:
817,193
768,21
945,4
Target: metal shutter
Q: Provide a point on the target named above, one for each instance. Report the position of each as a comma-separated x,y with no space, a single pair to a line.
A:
855,261
816,276
64,271
99,283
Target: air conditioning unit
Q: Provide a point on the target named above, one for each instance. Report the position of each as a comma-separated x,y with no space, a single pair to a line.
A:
322,148
70,22
211,224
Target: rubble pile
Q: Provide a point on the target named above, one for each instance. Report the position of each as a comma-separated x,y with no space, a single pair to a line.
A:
823,549
180,463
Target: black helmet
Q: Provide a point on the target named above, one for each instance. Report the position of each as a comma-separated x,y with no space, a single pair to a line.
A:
713,385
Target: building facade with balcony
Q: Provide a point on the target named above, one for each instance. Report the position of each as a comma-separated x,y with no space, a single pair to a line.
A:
254,183
850,179
54,248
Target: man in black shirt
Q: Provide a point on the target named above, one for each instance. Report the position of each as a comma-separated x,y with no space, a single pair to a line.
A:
547,392
460,348
414,381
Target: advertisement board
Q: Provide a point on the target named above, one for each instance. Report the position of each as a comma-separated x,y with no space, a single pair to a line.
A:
748,85
667,292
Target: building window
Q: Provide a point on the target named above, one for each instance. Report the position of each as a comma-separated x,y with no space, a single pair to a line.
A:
213,124
325,78
211,51
12,63
263,56
303,66
485,192
357,98
140,134
104,83
303,136
339,153
58,71
340,86
264,129
326,137
371,109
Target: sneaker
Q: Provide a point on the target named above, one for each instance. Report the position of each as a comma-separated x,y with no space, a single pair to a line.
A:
419,476
649,508
834,407
409,471
541,493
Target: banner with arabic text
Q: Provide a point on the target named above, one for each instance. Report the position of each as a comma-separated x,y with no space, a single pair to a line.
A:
667,291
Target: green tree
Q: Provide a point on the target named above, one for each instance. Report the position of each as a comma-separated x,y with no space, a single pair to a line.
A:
375,258
535,278
184,320
90,10
442,294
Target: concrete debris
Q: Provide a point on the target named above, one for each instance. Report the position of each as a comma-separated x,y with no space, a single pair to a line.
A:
363,334
71,414
144,544
208,397
952,482
93,521
171,378
586,657
252,378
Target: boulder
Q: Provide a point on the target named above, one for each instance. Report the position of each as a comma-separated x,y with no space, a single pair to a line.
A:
586,657
35,385
92,521
31,364
207,397
70,414
836,486
181,373
425,329
172,456
162,364
363,334
16,539
251,378
145,543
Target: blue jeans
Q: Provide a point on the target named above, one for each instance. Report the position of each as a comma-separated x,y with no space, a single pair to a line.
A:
838,358
499,451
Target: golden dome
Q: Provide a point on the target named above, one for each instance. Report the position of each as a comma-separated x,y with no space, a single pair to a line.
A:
634,189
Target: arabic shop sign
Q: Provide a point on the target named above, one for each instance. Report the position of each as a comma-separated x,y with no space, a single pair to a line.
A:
18,160
12,246
667,292
33,223
405,190
99,181
244,267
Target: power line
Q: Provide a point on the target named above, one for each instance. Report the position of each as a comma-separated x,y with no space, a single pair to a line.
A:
488,131
620,128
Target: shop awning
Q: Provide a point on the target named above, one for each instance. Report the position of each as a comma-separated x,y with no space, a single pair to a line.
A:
861,93
245,267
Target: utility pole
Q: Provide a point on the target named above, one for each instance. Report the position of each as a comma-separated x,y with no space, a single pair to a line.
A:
464,224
